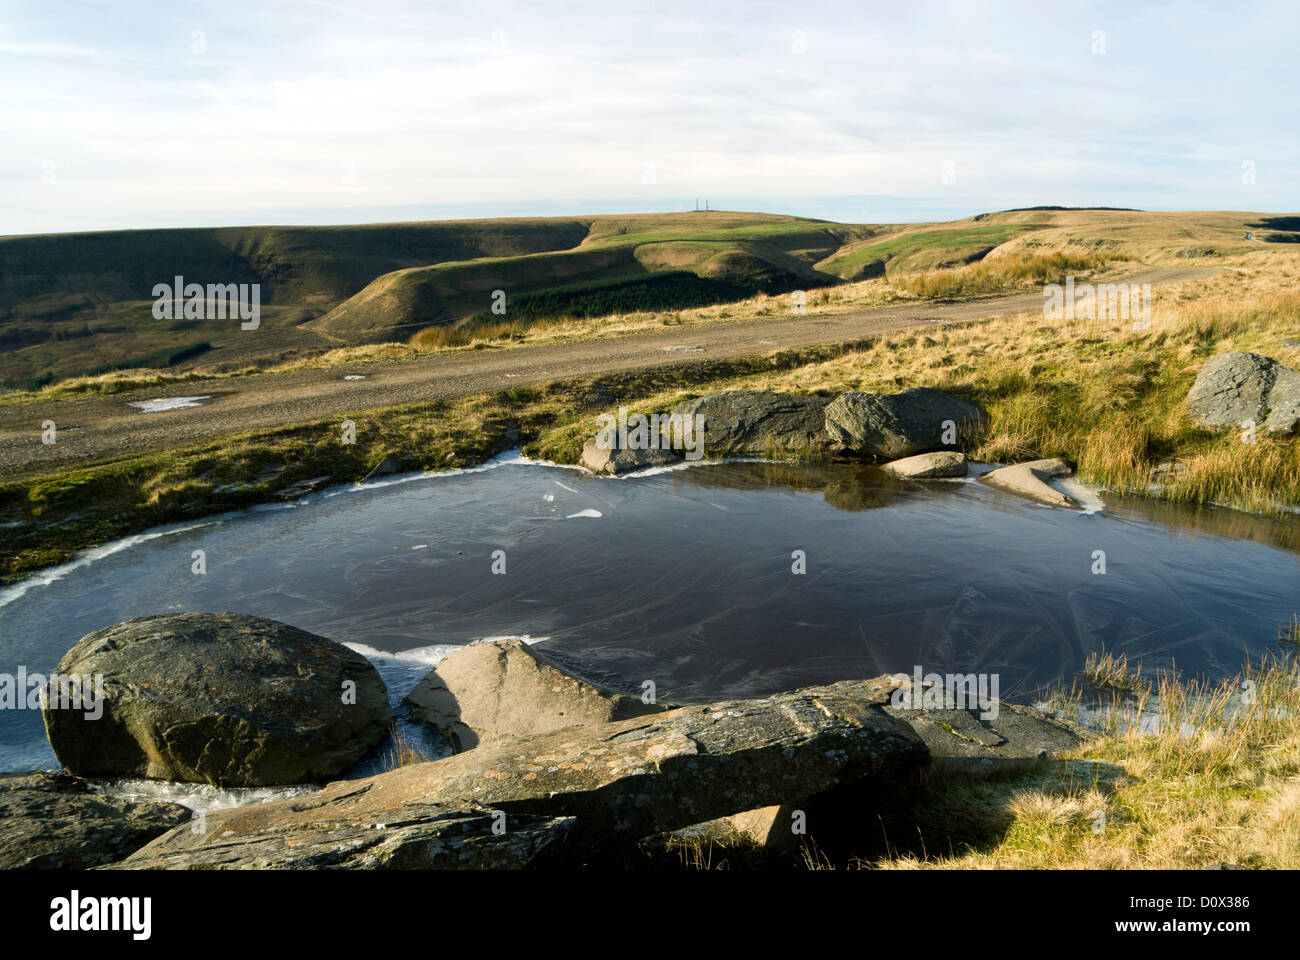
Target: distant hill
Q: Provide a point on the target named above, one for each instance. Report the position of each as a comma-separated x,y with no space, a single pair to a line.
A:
82,302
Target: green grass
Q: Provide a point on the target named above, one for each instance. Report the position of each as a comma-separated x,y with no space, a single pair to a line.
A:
74,304
932,246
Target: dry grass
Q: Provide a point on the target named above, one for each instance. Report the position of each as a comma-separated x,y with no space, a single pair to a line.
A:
1217,780
1100,393
1001,274
403,752
1107,673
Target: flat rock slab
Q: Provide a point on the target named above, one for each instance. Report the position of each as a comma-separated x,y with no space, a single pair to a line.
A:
961,743
1017,740
57,822
219,698
623,780
1030,480
759,423
506,688
928,466
419,837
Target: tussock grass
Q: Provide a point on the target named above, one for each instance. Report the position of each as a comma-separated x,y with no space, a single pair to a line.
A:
1217,780
1098,392
402,751
1109,673
1001,274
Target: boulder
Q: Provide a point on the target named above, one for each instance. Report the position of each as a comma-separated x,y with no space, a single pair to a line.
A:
1237,387
418,836
1030,480
219,698
386,467
961,743
506,688
890,426
621,781
1018,740
599,458
759,423
926,466
54,821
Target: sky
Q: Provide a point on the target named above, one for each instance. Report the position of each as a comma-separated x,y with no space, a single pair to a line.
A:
181,113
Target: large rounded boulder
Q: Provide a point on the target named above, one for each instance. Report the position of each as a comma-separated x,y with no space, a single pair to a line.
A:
219,698
1237,388
890,426
758,422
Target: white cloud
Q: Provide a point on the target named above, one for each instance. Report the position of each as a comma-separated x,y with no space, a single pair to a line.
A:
520,105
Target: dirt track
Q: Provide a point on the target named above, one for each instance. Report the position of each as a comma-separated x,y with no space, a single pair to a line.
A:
103,428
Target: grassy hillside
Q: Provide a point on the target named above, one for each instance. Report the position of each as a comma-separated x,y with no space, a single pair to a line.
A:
71,303
733,255
75,305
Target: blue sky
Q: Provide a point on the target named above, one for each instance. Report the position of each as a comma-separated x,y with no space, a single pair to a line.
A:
286,111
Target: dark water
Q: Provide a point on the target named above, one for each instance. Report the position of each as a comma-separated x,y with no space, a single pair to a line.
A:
685,579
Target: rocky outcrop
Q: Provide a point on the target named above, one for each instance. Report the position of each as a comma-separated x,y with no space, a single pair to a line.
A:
620,781
1012,740
1017,740
759,423
890,426
506,688
1030,480
1237,387
928,466
416,836
54,821
219,698
610,459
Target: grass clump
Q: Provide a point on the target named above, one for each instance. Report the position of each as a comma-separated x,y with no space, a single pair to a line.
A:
402,751
1214,777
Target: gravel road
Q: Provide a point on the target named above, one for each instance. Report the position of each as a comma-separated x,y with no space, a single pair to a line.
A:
95,429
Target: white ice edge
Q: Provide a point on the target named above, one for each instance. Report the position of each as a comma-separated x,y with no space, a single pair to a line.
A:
1088,496
43,578
49,575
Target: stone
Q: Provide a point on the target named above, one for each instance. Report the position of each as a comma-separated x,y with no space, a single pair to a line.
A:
1168,471
1030,480
1018,740
302,488
1237,387
419,836
892,426
759,423
506,688
621,781
220,698
926,466
384,468
613,461
961,744
57,822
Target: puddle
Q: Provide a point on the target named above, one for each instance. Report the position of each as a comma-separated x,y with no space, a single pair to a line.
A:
163,404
